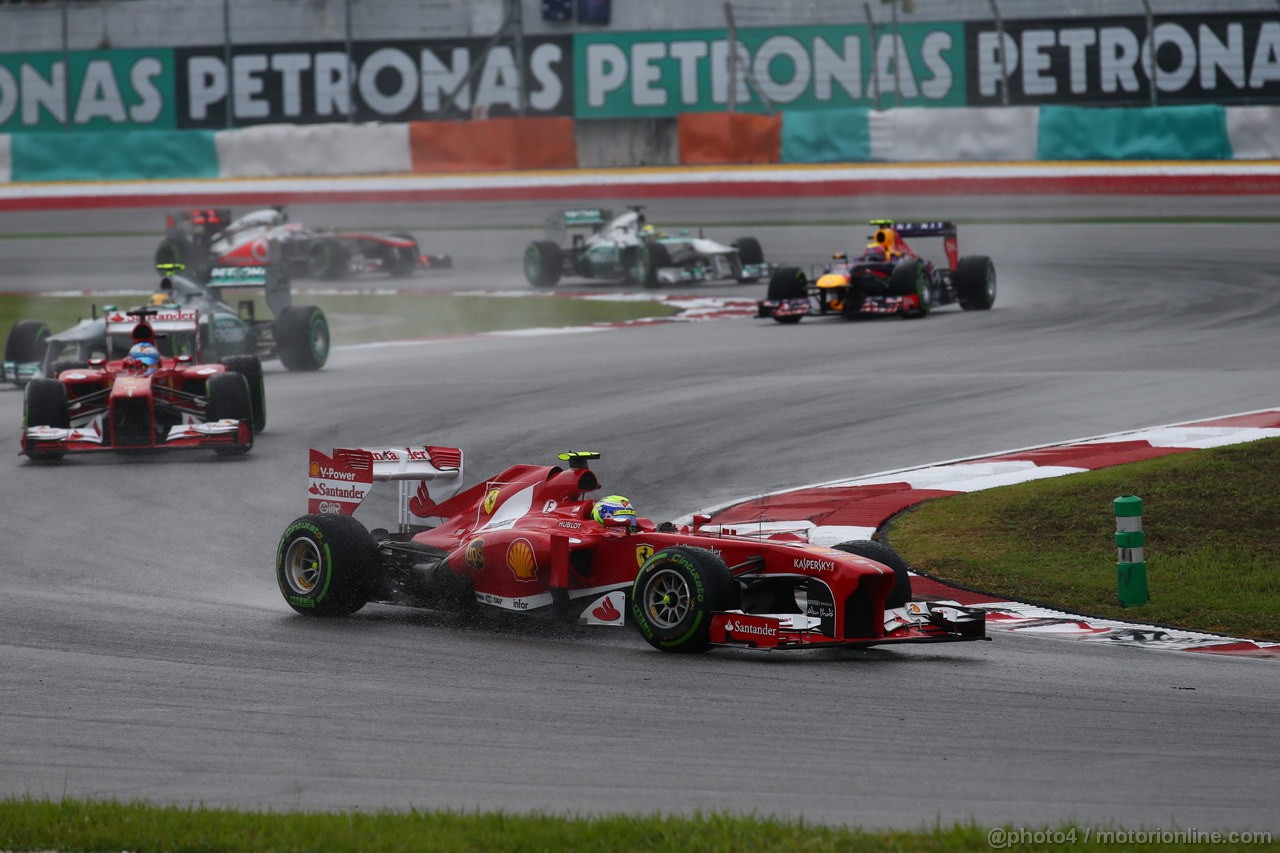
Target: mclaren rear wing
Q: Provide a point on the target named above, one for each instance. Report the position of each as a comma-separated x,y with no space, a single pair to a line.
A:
428,476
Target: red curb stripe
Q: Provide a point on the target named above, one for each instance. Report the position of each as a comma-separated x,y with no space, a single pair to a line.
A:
1090,456
853,506
1257,420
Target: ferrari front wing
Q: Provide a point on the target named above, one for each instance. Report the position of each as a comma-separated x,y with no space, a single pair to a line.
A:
917,622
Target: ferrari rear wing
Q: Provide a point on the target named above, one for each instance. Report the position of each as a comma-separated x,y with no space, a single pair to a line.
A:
339,482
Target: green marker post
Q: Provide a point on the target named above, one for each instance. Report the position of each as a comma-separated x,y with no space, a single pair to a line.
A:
1131,561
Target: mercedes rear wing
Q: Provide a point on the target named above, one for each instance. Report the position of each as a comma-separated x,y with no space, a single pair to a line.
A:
428,475
558,224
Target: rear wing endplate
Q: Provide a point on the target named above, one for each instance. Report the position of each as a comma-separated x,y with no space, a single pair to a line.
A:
428,475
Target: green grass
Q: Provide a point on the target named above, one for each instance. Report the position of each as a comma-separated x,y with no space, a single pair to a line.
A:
75,825
366,317
1211,540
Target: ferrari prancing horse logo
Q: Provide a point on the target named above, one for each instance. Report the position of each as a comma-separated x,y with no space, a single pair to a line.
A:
490,501
643,553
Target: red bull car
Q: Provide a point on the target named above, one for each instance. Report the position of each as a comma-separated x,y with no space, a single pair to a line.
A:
887,278
204,239
172,402
529,540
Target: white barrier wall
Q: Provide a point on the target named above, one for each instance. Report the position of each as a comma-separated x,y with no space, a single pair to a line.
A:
286,150
917,134
1254,132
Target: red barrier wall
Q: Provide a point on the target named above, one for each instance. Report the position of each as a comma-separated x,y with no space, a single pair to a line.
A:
495,144
712,138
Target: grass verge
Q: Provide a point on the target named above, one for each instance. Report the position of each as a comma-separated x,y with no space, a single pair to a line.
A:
372,316
75,825
1211,540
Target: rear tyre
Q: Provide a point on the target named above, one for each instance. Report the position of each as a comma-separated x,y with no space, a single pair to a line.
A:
674,596
302,337
543,263
26,342
250,367
648,258
404,259
180,250
886,556
749,250
45,404
908,279
228,395
785,285
325,565
976,283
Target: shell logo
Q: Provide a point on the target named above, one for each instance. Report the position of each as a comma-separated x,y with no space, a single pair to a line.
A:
314,471
490,501
521,560
474,555
643,553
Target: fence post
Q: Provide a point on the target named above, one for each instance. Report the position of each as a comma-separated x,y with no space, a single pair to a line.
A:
1131,562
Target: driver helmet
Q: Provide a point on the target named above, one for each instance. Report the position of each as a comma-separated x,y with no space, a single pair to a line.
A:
159,299
614,510
143,359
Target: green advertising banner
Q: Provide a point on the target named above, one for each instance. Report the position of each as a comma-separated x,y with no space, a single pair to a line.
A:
650,74
87,90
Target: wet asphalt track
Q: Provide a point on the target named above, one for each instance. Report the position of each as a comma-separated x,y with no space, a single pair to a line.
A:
145,652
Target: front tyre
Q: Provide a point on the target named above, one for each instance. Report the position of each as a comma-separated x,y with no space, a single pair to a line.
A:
45,404
674,596
908,279
325,565
229,399
787,285
250,367
749,251
886,556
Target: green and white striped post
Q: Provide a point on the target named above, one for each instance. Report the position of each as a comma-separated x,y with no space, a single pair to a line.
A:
1131,561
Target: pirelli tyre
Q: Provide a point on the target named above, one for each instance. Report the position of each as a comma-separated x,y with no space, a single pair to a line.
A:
45,404
250,367
749,250
647,258
543,263
228,396
908,279
26,342
180,250
675,594
302,337
403,260
886,556
976,283
785,285
325,565
327,259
